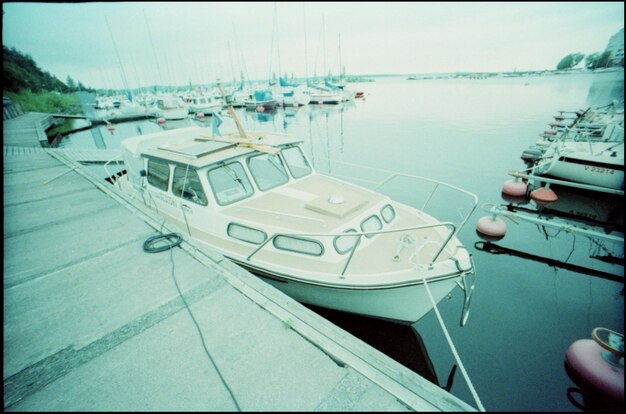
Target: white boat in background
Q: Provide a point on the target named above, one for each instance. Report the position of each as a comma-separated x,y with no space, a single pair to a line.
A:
202,103
170,108
254,197
323,95
595,163
104,103
238,96
342,88
587,150
290,94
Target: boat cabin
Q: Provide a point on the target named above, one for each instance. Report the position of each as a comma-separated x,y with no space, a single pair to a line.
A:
253,191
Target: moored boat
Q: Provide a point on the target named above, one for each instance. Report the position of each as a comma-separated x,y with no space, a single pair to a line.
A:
254,197
202,103
261,100
170,108
587,150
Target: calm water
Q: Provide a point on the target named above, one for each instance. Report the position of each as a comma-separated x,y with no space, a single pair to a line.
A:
525,313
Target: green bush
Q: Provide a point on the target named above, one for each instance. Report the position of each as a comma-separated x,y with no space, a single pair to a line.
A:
47,102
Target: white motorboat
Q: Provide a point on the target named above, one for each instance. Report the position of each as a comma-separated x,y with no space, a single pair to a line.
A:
290,94
170,108
203,103
595,163
255,198
323,95
103,103
582,152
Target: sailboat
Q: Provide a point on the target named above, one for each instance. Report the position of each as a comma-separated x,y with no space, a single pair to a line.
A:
293,94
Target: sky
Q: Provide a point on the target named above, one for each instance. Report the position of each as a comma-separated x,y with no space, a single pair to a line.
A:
134,44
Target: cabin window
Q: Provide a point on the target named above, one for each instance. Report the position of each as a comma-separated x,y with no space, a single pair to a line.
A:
158,174
388,213
372,223
268,171
299,245
246,234
296,161
229,183
186,184
345,244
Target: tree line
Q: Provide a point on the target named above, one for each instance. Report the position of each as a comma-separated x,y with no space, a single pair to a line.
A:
593,61
21,73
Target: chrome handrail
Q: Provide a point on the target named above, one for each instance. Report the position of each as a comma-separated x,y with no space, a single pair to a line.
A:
117,160
392,174
450,226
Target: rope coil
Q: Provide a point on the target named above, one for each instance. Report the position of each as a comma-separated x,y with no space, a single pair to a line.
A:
171,240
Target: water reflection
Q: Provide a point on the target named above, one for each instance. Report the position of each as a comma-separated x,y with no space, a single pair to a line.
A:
592,222
400,342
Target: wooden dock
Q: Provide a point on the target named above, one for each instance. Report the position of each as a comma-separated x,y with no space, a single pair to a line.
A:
78,155
94,323
27,130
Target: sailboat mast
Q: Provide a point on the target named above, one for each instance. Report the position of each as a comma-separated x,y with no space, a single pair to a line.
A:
306,58
232,68
118,55
324,44
156,60
341,74
277,38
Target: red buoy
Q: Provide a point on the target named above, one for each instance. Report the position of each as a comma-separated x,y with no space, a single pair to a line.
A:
544,195
514,188
490,228
161,121
200,115
597,368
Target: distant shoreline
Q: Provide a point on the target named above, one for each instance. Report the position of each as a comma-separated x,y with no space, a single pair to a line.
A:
445,75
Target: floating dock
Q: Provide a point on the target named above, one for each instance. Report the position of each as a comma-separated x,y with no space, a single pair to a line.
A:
92,322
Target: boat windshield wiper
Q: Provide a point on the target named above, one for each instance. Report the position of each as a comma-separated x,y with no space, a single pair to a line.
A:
233,174
278,165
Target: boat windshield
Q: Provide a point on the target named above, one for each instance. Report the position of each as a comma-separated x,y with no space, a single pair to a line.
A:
229,183
267,170
296,162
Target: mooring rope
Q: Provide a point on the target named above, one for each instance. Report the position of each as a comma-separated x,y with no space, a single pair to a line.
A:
148,247
454,352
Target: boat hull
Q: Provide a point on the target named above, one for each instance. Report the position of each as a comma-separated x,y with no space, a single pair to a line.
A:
257,105
172,114
603,175
405,304
206,110
322,99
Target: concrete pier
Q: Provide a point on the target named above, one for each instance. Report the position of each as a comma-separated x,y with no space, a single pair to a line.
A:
92,322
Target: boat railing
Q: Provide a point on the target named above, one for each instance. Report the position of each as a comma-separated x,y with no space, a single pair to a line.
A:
117,160
390,176
359,235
